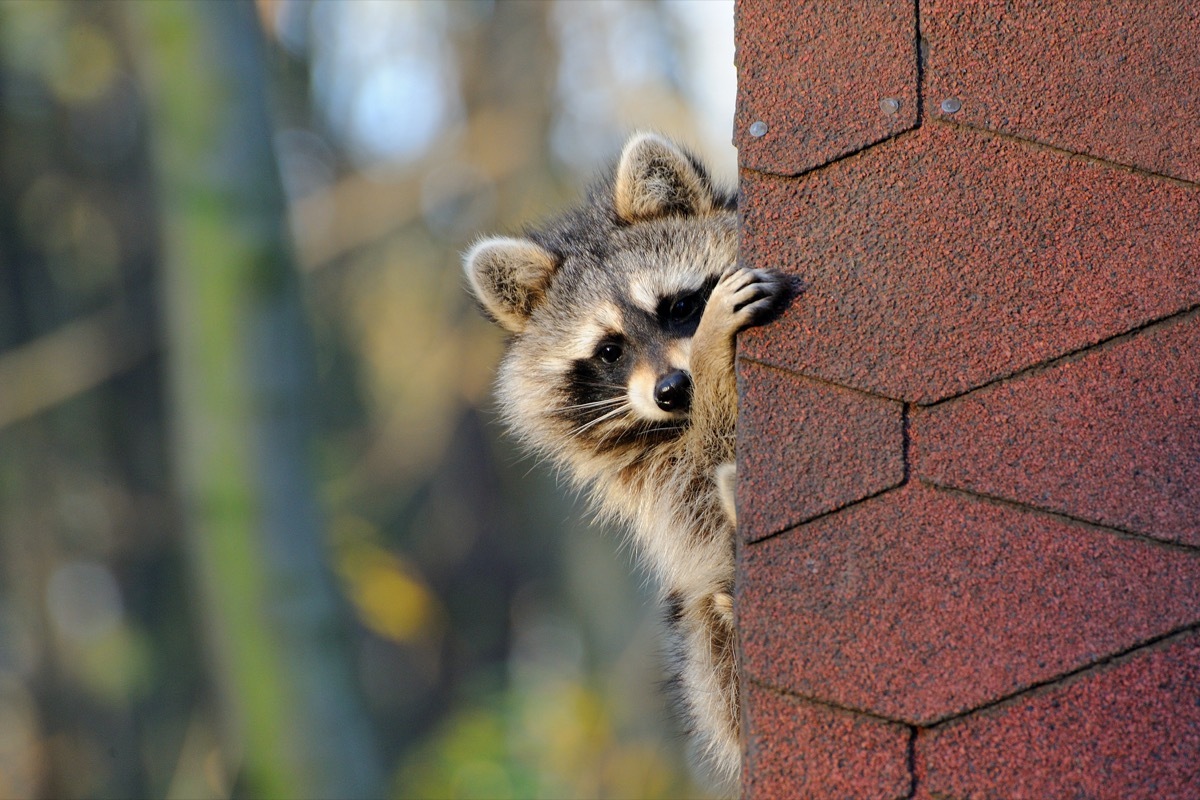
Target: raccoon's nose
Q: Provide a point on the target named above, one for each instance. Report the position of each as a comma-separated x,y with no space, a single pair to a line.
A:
674,391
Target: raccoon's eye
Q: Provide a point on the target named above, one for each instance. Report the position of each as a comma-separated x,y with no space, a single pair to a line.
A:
684,308
609,353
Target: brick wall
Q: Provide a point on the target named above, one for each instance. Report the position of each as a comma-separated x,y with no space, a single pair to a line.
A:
970,450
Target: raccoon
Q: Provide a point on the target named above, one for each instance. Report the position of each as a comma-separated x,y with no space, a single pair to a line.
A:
620,370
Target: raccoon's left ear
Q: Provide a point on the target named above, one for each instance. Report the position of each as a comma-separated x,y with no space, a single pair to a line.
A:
656,178
509,276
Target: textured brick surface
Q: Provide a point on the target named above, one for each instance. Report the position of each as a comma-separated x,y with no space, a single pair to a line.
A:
947,258
1129,731
805,751
922,603
810,448
1112,436
815,75
1120,81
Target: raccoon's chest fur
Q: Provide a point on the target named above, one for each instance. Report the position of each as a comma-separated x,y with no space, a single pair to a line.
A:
667,498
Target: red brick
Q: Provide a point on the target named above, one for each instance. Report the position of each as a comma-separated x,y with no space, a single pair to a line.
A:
1112,436
1120,81
923,603
800,750
1129,731
809,448
947,258
815,75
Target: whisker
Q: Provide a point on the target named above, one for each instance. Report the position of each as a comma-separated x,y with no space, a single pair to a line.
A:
605,416
616,387
646,433
594,404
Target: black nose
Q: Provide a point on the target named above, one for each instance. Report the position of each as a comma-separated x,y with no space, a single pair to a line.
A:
674,391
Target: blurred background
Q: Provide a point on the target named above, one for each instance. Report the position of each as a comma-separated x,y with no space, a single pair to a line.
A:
260,532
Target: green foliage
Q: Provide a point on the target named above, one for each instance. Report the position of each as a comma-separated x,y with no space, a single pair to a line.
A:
555,741
175,618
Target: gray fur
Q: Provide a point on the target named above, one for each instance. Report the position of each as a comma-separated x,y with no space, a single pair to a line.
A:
653,230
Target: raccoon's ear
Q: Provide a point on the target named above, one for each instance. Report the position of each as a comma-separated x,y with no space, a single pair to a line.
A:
656,178
509,276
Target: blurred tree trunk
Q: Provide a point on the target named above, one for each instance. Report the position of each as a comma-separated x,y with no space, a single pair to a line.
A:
240,385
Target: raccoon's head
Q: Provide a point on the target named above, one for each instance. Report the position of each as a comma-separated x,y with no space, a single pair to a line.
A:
603,301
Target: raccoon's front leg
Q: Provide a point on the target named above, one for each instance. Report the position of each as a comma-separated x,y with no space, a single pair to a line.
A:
707,638
741,298
705,653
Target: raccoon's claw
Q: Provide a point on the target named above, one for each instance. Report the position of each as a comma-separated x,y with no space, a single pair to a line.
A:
758,294
746,296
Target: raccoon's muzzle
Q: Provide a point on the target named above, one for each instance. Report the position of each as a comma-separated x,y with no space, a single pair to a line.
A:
673,392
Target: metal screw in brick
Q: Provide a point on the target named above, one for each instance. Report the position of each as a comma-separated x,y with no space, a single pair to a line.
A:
758,129
951,105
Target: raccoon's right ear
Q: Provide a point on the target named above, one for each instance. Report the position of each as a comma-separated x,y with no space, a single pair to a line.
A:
509,276
657,178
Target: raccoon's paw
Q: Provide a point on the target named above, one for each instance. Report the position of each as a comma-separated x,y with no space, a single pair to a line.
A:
745,297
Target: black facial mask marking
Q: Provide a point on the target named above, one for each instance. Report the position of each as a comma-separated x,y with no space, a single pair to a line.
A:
592,382
679,314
